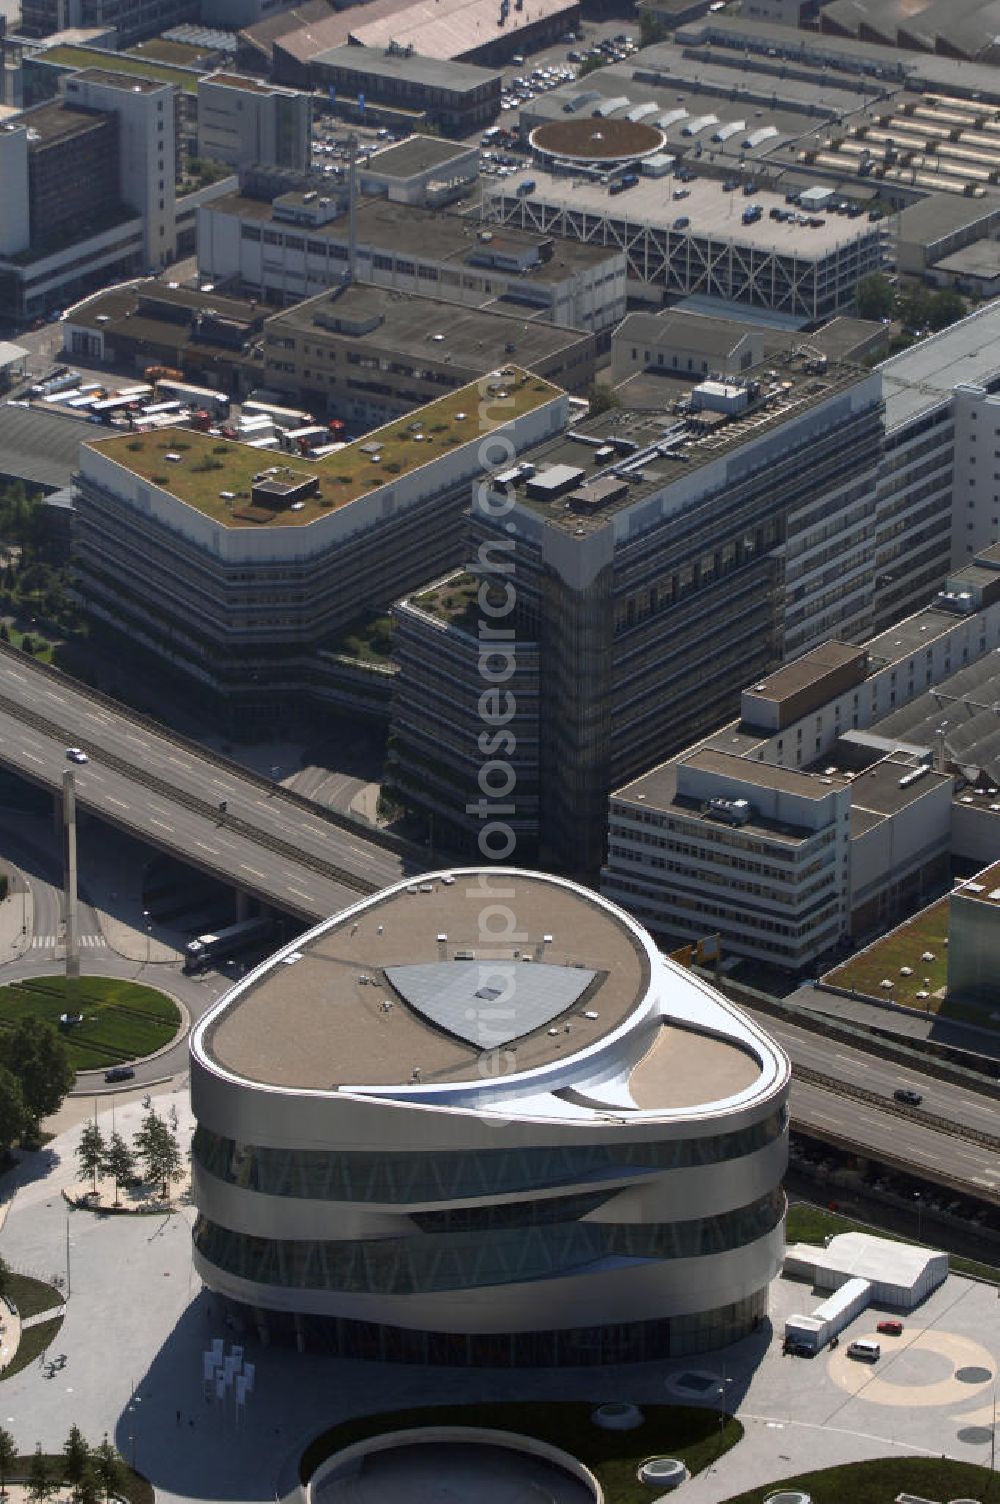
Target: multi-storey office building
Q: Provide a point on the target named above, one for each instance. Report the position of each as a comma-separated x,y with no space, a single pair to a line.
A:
131,20
369,356
299,245
237,571
939,492
354,1185
456,97
818,813
243,121
87,187
451,680
661,560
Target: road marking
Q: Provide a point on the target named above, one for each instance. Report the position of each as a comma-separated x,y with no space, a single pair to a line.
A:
120,802
299,894
31,757
161,823
251,869
214,850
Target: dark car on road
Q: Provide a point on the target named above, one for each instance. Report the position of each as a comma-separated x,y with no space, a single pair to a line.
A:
907,1095
120,1073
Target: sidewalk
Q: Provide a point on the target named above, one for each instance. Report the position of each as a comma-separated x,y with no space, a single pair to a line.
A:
16,916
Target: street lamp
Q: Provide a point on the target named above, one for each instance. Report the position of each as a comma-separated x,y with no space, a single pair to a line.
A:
920,1207
149,935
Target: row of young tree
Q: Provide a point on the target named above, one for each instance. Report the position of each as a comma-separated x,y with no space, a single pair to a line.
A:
35,1075
91,1473
154,1149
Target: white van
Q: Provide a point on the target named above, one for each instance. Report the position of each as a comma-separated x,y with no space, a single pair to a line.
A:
869,1351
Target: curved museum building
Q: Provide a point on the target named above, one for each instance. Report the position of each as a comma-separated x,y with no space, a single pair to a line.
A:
479,1119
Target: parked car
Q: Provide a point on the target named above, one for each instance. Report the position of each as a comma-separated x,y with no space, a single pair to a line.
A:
891,1328
907,1095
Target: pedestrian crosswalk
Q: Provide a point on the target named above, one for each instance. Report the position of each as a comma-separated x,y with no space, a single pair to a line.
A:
49,942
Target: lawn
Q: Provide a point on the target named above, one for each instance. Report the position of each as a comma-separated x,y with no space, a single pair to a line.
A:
207,466
884,1479
369,639
926,931
31,1346
117,62
31,1295
814,1224
613,1456
122,1020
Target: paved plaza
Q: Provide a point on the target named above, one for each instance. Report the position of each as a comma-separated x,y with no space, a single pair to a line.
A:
137,1323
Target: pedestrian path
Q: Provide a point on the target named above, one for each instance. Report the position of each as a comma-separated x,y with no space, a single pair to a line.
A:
50,942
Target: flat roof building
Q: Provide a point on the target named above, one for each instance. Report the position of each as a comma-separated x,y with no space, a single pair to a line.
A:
374,1133
456,97
299,245
367,355
242,121
829,805
662,558
235,572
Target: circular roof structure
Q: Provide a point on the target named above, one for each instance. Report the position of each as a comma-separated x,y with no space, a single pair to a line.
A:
596,140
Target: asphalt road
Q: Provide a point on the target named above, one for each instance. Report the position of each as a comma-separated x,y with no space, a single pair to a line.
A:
203,838
857,1068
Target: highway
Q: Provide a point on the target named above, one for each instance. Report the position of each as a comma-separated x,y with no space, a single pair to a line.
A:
856,1068
147,781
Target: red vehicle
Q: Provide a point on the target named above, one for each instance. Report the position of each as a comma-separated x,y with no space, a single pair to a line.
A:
890,1328
337,428
201,421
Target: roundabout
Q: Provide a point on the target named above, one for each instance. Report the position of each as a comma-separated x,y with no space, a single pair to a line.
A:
596,142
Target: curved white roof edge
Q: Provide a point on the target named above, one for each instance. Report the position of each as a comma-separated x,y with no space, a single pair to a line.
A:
530,1094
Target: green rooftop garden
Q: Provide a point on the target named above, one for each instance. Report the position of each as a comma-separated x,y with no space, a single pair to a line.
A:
159,50
120,62
208,466
927,933
368,638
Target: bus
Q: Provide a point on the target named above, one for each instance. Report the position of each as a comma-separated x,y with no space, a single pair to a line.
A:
205,950
281,417
217,403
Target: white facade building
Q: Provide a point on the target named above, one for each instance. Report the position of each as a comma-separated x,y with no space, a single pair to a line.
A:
147,149
445,1154
242,121
795,827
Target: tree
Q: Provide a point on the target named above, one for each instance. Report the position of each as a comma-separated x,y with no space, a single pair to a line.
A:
947,306
41,1484
91,1151
88,1490
650,29
158,1150
33,1052
601,398
119,1163
13,1113
875,298
8,1458
4,1279
914,304
109,1469
76,1458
